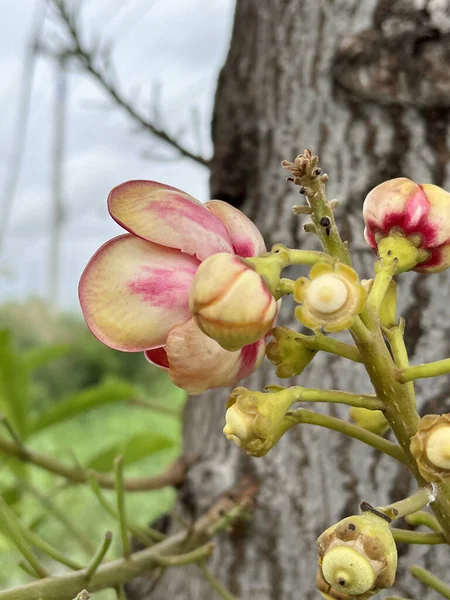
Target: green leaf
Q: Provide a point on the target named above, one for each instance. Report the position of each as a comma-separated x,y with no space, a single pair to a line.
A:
39,357
107,392
133,449
14,384
11,494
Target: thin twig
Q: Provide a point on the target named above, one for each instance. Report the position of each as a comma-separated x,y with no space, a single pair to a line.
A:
99,556
174,475
215,583
120,496
145,535
87,58
230,506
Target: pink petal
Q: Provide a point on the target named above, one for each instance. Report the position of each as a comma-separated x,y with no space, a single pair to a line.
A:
133,292
245,236
197,363
165,215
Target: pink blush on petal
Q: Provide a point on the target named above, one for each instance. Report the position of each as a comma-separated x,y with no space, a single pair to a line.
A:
248,357
417,210
163,287
244,249
183,208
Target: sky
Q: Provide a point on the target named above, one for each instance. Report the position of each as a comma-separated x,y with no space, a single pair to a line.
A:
171,50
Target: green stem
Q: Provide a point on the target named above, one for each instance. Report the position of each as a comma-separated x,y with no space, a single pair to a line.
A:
308,176
380,286
35,540
11,430
78,534
9,529
417,537
399,352
308,257
301,394
328,344
27,569
409,505
400,409
421,517
430,580
215,583
115,573
99,556
285,287
433,369
146,535
194,556
120,494
174,475
303,415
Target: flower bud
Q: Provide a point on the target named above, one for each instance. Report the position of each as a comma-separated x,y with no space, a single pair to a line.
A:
230,302
357,558
330,298
430,446
255,420
371,420
409,222
287,352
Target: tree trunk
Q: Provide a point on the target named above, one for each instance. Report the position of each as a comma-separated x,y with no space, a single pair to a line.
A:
365,85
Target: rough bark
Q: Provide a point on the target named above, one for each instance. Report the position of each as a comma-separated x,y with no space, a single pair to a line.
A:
365,85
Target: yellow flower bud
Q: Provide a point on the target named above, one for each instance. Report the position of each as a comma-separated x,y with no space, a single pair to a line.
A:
430,446
330,298
287,352
371,420
230,302
255,420
357,558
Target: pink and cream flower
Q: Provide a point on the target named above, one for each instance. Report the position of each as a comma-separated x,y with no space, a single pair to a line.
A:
134,292
409,212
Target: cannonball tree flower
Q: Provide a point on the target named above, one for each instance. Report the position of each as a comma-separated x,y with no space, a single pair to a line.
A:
134,291
330,298
410,222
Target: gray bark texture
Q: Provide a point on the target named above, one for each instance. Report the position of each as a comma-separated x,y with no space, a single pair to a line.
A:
366,85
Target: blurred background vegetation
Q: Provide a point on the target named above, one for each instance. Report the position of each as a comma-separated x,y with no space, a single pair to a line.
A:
72,397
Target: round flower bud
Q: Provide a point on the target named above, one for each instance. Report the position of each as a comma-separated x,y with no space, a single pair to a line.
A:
255,420
230,302
430,446
287,352
371,420
410,222
330,298
357,558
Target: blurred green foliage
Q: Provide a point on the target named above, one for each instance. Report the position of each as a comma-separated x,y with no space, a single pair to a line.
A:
67,395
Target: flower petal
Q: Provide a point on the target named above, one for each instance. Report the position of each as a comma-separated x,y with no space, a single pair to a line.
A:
165,215
133,292
197,363
158,357
245,236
